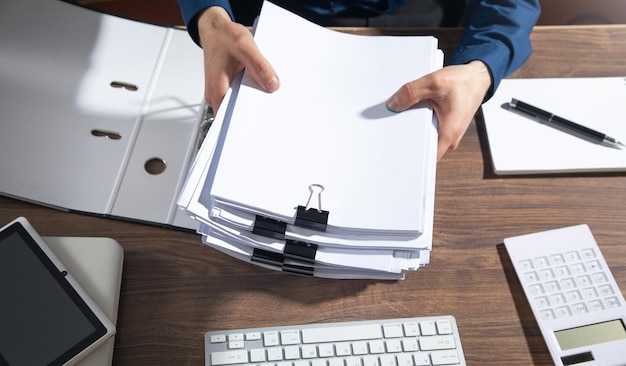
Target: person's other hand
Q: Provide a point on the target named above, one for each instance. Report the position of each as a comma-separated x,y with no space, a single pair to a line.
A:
229,47
455,93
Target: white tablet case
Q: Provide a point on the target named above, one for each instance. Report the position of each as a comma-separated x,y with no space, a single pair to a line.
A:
96,263
74,80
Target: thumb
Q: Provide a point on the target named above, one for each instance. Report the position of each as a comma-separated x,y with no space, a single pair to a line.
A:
408,95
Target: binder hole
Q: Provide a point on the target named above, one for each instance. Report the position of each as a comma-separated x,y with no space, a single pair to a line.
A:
123,85
155,166
106,134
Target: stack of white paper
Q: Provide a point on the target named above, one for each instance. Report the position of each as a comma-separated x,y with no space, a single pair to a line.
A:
323,146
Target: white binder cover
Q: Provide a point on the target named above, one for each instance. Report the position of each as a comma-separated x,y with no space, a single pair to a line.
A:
328,125
521,145
86,99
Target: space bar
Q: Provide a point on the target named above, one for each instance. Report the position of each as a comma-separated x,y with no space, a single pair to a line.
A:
341,333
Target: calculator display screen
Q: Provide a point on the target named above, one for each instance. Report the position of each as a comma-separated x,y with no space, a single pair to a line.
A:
591,334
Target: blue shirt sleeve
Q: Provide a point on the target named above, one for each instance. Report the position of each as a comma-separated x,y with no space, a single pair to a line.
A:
191,9
498,34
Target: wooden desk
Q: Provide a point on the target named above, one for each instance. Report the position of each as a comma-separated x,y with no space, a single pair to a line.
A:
175,289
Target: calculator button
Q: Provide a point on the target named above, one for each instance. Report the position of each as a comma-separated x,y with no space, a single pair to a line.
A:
542,302
612,302
552,286
536,289
557,299
593,265
595,305
578,268
579,308
563,312
590,293
562,271
588,253
573,296
531,277
547,314
526,265
599,277
606,290
546,274
541,262
572,256
568,283
583,281
557,259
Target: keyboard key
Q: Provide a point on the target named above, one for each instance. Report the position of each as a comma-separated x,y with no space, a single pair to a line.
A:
428,327
409,344
359,348
421,359
436,343
270,339
411,329
309,351
393,345
450,357
405,359
335,362
392,330
292,353
444,327
370,361
274,354
325,350
377,347
257,355
235,344
288,337
388,360
341,333
353,361
229,357
218,338
343,349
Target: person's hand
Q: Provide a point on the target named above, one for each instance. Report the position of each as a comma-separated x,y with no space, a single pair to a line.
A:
228,48
455,93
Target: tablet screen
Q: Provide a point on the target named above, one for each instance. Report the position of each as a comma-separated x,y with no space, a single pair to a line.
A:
43,320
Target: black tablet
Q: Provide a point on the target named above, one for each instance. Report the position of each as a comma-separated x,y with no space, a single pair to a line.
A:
45,317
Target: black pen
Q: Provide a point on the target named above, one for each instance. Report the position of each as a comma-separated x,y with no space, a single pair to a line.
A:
564,124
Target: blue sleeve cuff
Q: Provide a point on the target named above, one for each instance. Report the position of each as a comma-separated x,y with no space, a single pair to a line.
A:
191,9
499,36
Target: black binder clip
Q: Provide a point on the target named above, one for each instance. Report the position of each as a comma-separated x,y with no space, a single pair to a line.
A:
269,228
300,251
268,258
309,217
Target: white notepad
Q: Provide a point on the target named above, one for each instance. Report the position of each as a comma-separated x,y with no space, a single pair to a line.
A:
520,145
328,125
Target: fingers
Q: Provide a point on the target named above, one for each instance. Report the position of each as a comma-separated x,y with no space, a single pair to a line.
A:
257,66
228,48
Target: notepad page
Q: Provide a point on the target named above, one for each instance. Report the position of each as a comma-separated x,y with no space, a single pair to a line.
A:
521,145
328,125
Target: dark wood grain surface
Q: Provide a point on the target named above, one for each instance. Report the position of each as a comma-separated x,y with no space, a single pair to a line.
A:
174,288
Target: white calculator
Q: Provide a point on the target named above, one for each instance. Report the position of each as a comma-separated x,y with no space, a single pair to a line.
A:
579,307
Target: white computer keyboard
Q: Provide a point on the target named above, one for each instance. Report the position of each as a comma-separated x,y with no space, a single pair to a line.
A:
392,342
